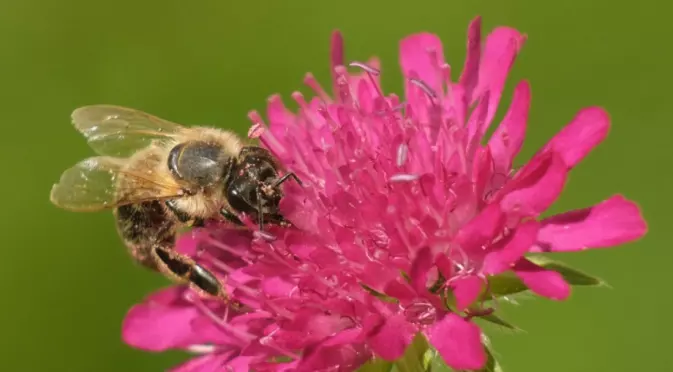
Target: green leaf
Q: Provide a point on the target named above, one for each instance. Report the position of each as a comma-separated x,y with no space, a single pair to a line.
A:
508,283
376,365
437,363
492,364
498,321
414,359
504,284
571,275
379,295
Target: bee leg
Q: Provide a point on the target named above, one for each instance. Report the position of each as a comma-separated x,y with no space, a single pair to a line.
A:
282,221
197,222
230,217
181,216
183,269
279,181
260,214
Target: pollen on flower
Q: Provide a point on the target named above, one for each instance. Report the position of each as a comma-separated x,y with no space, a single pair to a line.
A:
407,209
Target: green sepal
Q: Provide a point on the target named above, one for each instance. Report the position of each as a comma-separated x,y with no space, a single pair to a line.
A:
492,364
508,283
437,363
379,295
414,358
572,276
376,365
498,321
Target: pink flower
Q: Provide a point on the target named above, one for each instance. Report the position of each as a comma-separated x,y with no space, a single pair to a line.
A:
405,205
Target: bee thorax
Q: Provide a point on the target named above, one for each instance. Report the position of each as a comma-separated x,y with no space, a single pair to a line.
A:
198,206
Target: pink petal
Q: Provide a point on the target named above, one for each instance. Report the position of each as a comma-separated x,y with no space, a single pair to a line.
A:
470,75
277,287
482,228
162,322
544,282
458,342
589,127
279,116
612,222
347,336
281,121
467,290
376,276
537,185
482,172
420,268
342,349
415,56
507,139
336,56
445,265
400,290
188,243
238,364
520,243
478,124
391,337
502,47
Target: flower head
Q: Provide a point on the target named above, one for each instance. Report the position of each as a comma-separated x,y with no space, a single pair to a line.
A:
405,212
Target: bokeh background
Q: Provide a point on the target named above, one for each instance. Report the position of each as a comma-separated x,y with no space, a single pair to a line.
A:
65,279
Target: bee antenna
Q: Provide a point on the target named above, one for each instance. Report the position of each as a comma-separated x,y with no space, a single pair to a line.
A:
279,181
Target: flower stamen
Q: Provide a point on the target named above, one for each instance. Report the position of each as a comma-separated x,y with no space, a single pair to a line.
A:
366,67
201,349
404,177
402,151
424,87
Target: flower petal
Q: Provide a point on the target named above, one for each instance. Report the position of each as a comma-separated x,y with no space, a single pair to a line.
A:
391,337
458,341
541,281
342,350
336,51
420,268
502,47
612,222
162,322
507,139
470,75
537,185
417,53
467,290
589,127
238,364
482,228
514,248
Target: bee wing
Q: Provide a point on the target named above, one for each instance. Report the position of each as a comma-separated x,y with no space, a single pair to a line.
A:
120,131
91,185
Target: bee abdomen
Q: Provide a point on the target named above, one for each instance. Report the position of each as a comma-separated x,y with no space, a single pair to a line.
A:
144,225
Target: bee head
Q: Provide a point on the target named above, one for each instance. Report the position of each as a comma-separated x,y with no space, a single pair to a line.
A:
252,186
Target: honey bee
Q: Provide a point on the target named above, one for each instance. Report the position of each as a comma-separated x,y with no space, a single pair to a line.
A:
159,177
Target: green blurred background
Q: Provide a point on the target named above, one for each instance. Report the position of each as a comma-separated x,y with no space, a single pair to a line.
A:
66,279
